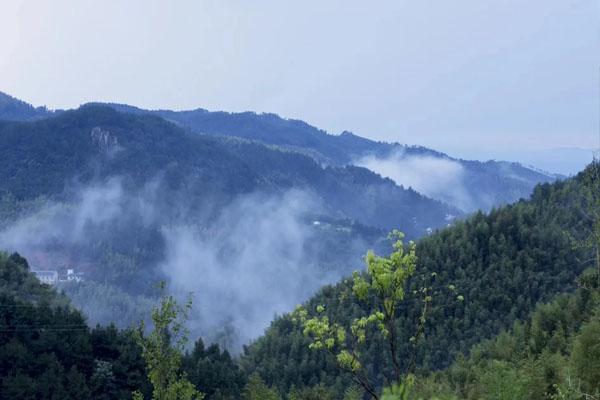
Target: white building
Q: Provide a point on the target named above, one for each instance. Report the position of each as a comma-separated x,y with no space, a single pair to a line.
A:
73,276
48,277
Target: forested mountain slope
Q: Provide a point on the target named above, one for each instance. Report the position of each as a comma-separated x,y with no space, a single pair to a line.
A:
503,264
12,109
468,185
49,352
357,192
555,352
482,185
41,158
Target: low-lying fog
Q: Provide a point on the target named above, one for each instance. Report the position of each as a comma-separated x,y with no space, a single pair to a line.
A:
252,260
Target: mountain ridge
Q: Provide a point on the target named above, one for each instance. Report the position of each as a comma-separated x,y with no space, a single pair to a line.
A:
476,185
147,145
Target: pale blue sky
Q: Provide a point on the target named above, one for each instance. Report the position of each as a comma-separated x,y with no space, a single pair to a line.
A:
471,77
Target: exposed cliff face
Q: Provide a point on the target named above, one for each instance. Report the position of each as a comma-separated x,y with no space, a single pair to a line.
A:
106,142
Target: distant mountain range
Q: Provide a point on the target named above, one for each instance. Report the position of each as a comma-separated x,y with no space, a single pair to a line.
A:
465,185
42,157
472,185
564,160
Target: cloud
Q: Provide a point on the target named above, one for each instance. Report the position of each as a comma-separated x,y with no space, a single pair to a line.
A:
58,222
249,266
435,177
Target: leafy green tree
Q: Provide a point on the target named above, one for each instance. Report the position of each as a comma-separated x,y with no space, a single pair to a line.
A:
353,392
405,391
399,391
383,289
162,349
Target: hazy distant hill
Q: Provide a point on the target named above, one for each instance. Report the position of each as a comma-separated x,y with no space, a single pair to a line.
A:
95,142
12,109
468,185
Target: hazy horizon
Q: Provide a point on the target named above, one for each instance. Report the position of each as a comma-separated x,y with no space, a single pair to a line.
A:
504,80
559,160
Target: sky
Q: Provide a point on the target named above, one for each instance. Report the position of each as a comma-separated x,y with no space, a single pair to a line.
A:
478,79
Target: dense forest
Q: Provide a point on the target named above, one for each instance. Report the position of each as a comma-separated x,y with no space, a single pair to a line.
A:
498,304
49,352
554,353
12,109
503,264
498,343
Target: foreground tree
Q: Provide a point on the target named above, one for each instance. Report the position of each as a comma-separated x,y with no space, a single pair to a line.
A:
162,350
382,287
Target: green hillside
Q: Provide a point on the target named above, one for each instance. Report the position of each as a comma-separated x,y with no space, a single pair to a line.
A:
48,351
503,264
553,354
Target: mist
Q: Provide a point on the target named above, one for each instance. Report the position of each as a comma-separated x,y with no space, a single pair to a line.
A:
66,223
438,178
255,260
248,267
91,213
